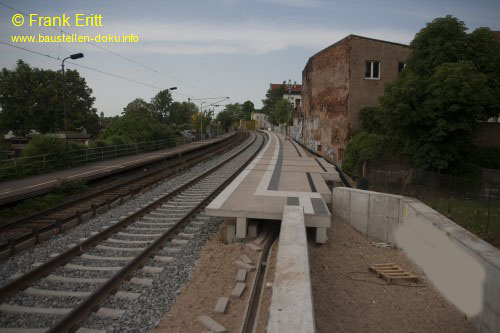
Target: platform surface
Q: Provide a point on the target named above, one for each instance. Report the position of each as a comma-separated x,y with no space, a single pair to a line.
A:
12,190
283,173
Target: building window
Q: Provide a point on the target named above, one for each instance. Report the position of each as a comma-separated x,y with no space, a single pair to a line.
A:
297,102
372,70
401,66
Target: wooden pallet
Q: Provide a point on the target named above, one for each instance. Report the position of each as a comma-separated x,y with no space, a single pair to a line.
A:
392,272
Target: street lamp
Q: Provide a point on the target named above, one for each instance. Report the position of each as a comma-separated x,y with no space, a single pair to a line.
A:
72,57
173,88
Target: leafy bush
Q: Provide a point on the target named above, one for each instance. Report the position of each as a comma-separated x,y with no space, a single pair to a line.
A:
33,205
487,157
100,143
364,147
115,140
44,145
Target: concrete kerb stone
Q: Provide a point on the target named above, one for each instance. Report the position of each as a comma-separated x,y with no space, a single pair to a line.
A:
253,247
238,290
246,259
211,324
241,276
221,305
244,265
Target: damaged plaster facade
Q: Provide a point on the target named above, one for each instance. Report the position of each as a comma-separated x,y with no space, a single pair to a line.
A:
335,89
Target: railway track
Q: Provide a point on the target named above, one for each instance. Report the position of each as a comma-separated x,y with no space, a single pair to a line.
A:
130,252
26,232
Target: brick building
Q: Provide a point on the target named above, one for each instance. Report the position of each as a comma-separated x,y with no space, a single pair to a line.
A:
337,83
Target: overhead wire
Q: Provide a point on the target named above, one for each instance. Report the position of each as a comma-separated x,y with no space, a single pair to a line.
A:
123,57
93,69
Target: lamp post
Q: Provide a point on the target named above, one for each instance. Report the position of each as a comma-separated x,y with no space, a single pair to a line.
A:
72,57
201,120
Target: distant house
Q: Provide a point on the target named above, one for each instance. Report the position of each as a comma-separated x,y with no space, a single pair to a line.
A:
293,92
261,120
17,143
337,83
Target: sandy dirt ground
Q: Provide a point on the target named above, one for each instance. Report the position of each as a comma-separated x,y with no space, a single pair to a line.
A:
268,290
214,276
347,298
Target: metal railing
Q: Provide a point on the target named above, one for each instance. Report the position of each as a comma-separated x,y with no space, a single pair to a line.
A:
32,165
474,204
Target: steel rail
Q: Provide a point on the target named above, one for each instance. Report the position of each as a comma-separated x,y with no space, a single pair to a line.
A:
203,155
75,316
101,191
46,268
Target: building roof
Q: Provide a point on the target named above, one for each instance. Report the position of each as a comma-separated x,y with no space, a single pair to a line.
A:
350,37
295,88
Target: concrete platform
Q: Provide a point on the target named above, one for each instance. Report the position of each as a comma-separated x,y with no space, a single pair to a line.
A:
283,173
13,190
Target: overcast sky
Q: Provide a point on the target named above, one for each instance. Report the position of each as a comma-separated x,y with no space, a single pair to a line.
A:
211,48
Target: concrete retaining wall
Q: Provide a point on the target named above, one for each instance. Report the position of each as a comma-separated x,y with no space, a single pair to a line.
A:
461,266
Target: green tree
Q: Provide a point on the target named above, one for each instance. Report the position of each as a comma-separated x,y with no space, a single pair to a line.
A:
206,119
434,105
281,112
441,41
138,123
484,51
273,96
236,109
181,113
31,99
161,104
226,119
248,108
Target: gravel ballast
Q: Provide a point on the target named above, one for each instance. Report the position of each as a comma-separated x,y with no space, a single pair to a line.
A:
144,312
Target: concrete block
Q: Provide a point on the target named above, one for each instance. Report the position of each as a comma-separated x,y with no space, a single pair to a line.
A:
238,290
254,247
241,227
211,324
244,265
252,229
231,231
359,211
321,237
241,276
221,305
246,259
392,225
378,214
